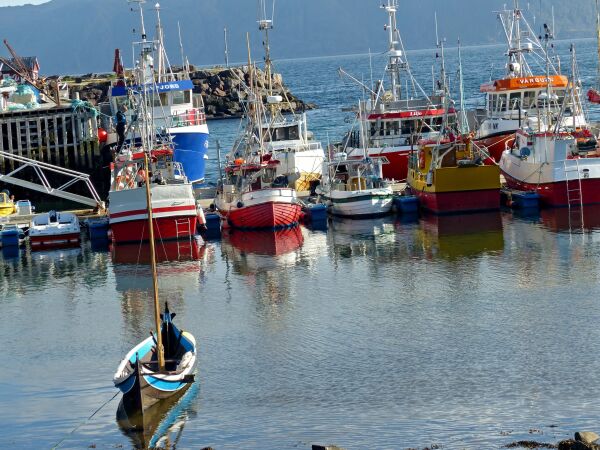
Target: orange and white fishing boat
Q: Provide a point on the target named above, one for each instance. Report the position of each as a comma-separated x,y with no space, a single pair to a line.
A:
395,120
521,95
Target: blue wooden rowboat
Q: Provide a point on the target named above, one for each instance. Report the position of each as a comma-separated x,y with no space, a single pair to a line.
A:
138,376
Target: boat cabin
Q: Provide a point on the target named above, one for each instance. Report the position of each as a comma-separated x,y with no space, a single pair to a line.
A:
173,103
511,97
128,171
354,174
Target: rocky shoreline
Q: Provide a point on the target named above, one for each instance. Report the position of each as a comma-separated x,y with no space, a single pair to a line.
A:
220,88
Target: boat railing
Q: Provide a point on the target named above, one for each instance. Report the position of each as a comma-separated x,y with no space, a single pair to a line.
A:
295,147
187,118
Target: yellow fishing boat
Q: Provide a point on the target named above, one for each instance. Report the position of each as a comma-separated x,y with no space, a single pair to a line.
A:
7,206
450,177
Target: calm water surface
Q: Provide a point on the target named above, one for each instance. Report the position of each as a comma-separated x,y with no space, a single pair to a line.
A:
469,331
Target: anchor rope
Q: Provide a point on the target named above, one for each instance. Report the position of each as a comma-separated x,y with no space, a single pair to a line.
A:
59,443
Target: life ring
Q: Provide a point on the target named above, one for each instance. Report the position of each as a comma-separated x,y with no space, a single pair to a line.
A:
421,159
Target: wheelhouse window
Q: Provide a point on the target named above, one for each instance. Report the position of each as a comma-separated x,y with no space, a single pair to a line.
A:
529,99
181,97
515,100
501,103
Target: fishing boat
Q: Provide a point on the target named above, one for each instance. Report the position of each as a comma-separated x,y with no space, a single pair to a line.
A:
175,109
251,197
7,206
395,120
250,194
173,199
561,164
54,229
173,202
520,96
355,188
284,138
450,177
162,365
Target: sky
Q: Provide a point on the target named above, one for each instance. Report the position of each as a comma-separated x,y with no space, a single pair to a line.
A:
21,2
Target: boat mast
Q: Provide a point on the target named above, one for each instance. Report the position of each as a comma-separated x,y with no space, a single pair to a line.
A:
147,137
159,344
265,24
395,54
598,43
464,126
159,36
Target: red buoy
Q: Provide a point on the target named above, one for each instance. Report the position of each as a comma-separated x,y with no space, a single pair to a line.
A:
102,135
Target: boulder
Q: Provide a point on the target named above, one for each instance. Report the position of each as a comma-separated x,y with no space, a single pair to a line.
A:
587,437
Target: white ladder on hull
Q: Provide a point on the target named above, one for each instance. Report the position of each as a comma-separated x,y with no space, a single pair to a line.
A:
574,193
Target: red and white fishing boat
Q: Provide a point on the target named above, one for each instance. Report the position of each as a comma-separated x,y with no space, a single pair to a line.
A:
521,95
252,194
553,165
252,197
173,202
394,121
54,229
562,164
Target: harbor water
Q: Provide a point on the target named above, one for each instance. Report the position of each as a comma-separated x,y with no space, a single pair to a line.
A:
468,331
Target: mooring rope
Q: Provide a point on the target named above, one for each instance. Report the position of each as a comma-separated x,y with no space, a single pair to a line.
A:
59,443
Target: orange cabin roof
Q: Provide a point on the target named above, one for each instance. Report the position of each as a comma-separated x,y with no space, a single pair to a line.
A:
522,83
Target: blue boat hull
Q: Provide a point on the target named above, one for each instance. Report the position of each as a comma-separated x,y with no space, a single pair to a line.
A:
190,150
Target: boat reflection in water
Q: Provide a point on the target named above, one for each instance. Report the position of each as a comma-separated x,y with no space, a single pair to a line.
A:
253,251
180,268
571,219
161,425
364,237
166,251
461,235
263,258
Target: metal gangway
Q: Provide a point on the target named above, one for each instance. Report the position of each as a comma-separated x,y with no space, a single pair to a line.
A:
40,168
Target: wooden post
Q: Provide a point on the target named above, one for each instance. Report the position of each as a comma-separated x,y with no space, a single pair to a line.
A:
28,139
18,124
10,142
39,142
76,149
64,140
47,140
58,162
1,146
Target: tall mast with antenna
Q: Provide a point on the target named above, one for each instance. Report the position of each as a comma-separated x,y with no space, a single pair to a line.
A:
265,24
159,37
184,62
394,53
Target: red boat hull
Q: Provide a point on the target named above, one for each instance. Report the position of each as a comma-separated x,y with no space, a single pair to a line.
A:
268,215
459,202
496,144
59,240
165,228
555,194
